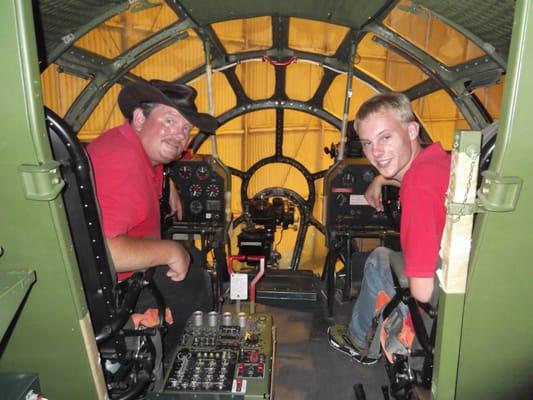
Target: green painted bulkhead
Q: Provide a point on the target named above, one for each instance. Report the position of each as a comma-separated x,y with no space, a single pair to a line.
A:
45,337
487,352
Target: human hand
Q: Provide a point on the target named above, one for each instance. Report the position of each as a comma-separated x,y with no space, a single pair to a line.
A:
373,193
174,201
179,263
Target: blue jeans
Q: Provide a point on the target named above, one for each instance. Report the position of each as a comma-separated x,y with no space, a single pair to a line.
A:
377,277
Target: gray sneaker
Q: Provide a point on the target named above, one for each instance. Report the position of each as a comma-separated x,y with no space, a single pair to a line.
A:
339,339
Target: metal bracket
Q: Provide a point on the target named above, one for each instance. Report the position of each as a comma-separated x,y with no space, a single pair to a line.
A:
461,208
498,193
41,182
465,144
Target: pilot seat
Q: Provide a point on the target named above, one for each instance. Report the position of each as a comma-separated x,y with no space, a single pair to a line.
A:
131,359
410,369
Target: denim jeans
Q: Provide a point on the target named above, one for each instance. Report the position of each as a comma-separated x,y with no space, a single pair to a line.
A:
377,277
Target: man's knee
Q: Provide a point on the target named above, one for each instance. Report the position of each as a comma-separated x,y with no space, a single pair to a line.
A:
379,257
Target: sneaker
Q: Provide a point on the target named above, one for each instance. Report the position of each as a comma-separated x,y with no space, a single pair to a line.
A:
340,340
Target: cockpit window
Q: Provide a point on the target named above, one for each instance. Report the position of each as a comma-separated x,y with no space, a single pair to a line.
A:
118,34
314,36
173,61
60,89
334,98
305,137
303,90
245,140
105,116
386,66
278,175
491,98
257,79
245,34
224,98
440,117
423,29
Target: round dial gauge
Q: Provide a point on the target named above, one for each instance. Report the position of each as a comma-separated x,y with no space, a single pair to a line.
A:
184,172
195,190
202,173
348,179
212,190
368,175
341,199
195,207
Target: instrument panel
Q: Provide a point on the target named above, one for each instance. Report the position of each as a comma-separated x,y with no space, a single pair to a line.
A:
202,183
346,207
222,355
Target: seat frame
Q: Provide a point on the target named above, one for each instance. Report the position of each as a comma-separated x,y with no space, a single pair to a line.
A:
110,303
402,375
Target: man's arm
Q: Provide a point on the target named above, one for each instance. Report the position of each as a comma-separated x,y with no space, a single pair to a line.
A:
421,288
131,254
174,201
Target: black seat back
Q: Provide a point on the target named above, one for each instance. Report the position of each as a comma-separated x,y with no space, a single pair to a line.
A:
110,303
97,272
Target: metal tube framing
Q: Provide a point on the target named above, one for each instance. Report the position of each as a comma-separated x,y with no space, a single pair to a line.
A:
347,99
210,102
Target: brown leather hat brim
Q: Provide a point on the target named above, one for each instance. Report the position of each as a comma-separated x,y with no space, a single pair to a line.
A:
134,94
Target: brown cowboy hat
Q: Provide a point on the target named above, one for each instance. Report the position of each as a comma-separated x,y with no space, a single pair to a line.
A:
181,97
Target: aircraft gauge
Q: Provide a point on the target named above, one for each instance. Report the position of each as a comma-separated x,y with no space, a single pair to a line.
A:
195,207
368,175
348,179
202,173
185,172
212,190
341,199
195,190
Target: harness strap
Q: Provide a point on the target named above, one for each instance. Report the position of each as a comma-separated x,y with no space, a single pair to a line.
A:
392,333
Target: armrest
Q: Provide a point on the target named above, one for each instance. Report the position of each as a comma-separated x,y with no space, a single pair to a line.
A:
131,289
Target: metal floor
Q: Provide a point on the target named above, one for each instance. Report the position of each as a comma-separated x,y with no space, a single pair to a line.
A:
307,368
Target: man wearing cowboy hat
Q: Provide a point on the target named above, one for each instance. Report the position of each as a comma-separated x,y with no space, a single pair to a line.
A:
128,168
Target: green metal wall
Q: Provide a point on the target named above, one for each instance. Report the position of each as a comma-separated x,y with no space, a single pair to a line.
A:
496,354
493,348
46,337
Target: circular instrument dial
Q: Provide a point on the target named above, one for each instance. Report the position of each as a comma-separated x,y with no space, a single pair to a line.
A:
212,190
341,199
348,179
195,190
195,207
202,173
368,175
184,172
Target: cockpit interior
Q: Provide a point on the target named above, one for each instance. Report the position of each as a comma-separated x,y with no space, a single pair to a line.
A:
273,202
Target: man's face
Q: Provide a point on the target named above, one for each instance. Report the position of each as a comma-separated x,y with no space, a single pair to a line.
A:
164,133
389,144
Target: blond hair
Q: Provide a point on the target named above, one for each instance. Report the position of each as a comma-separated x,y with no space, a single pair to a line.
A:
396,102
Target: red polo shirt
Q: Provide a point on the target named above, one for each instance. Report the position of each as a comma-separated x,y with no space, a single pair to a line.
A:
422,195
127,186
